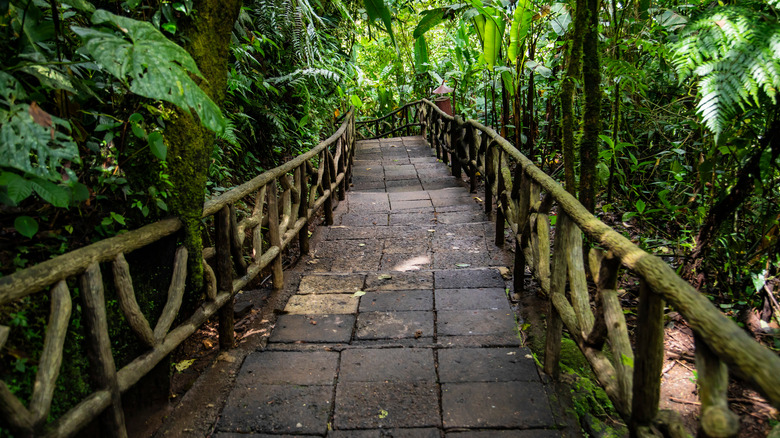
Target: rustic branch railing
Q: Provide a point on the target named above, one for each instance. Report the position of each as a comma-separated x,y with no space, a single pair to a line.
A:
524,198
400,119
305,188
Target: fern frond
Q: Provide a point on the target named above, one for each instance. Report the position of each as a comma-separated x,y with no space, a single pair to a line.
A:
306,73
733,52
229,134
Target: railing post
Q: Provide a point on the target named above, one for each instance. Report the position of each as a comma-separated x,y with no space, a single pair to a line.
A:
520,191
225,278
341,168
455,142
500,197
274,236
471,139
235,243
552,352
326,185
717,421
648,359
100,357
406,119
303,209
490,178
438,126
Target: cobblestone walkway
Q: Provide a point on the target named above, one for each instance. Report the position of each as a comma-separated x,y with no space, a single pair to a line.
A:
401,324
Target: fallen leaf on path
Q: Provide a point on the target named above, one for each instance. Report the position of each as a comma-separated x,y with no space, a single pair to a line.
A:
384,277
359,293
183,365
462,265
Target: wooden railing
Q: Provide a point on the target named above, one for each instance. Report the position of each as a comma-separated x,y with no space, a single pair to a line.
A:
283,201
525,197
405,119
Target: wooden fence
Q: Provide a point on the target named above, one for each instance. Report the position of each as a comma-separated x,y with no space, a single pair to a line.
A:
524,197
405,119
284,200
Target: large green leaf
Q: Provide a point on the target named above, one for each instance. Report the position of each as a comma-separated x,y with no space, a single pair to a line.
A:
52,193
37,147
521,21
18,188
150,64
376,9
431,18
494,32
420,55
26,226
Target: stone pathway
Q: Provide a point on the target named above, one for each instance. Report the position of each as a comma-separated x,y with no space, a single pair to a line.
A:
401,324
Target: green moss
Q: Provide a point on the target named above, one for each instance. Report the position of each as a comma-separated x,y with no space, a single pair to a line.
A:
189,144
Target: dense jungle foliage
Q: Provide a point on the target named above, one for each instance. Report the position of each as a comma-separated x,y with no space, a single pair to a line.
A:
662,116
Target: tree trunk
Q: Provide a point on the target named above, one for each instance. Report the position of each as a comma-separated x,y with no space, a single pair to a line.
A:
189,144
692,271
589,147
573,68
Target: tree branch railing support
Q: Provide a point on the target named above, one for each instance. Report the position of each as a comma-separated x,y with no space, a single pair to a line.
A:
282,201
523,197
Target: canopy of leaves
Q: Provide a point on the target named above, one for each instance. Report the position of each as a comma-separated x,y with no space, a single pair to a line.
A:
153,66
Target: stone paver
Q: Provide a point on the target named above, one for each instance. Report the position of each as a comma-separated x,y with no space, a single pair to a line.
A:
394,325
277,409
400,325
388,365
366,405
471,299
398,300
313,328
495,404
486,365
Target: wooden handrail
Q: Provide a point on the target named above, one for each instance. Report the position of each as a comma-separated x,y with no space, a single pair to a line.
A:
304,190
525,196
380,121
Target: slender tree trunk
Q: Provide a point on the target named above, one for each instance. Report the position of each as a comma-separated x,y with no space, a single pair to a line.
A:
589,147
505,109
724,209
518,105
529,123
573,69
189,143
